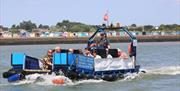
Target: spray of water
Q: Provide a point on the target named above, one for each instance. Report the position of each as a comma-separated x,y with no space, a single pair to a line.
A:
46,79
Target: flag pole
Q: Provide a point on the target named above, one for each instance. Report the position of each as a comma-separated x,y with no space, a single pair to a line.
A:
108,18
107,23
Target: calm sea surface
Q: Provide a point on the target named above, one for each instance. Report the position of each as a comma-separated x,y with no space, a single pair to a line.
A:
161,60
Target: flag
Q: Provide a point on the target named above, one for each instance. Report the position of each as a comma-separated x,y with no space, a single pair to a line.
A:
106,17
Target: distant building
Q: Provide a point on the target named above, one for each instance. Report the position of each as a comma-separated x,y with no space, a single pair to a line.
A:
1,35
3,28
23,33
2,31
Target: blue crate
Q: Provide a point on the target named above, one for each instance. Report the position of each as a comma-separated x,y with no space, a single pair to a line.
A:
60,58
17,60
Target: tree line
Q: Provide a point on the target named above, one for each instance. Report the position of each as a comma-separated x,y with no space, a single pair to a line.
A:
162,27
68,26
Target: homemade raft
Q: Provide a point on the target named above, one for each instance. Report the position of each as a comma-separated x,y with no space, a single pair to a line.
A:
76,66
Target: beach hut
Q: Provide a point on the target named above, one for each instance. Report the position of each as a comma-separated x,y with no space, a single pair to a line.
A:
155,33
51,35
121,33
134,33
65,34
56,34
113,33
81,34
1,34
24,34
7,34
177,32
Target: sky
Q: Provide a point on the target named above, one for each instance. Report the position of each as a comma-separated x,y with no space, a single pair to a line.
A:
127,12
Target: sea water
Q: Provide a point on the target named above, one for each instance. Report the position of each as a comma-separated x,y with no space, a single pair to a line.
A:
160,60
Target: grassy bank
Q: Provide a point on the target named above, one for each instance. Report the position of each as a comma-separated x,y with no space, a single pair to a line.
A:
33,41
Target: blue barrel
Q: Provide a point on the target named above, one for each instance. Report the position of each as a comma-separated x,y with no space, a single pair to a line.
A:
15,77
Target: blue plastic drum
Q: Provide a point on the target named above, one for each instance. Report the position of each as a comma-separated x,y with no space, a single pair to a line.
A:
15,77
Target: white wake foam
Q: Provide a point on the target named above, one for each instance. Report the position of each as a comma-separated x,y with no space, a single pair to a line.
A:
130,76
42,79
46,79
87,81
169,70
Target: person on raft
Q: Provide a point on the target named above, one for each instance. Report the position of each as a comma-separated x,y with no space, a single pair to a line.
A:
104,42
87,52
96,56
47,60
57,49
70,50
122,54
107,53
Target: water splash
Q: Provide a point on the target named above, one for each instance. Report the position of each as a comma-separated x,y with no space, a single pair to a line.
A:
131,76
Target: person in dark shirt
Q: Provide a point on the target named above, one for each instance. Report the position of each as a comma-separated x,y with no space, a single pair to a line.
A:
104,42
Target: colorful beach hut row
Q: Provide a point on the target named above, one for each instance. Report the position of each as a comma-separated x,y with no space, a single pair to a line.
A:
25,34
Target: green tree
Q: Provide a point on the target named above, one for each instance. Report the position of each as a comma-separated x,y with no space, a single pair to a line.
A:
148,27
13,26
14,31
80,28
17,27
66,25
27,25
133,25
43,26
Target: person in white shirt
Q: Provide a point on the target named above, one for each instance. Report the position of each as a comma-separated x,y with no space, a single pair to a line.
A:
109,56
96,56
87,52
107,53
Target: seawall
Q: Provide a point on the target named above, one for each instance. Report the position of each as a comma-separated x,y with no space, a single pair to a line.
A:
33,41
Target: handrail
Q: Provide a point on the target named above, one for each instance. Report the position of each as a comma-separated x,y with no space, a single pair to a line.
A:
102,29
133,38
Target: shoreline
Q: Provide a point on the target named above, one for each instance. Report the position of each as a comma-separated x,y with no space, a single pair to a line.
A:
78,40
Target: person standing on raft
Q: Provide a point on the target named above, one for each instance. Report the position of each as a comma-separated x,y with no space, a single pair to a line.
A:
47,60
